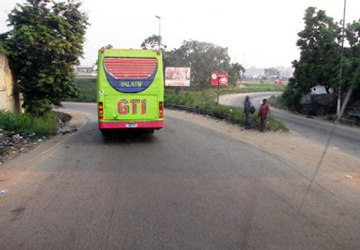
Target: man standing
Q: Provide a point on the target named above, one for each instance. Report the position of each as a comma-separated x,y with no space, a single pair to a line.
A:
247,107
263,113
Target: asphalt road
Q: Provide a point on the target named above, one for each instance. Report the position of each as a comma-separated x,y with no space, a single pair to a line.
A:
185,187
343,138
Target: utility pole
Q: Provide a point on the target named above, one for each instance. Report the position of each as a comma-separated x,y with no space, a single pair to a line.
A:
341,63
158,17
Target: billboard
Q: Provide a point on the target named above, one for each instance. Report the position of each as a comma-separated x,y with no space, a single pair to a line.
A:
219,78
177,76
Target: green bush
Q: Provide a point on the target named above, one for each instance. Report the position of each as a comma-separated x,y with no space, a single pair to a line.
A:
87,88
41,126
278,102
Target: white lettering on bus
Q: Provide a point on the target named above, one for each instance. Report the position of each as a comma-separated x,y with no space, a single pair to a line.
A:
131,84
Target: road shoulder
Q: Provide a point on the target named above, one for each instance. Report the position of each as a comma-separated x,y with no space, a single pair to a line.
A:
23,160
286,145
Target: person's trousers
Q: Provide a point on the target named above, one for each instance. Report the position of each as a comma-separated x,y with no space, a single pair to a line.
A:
262,124
248,120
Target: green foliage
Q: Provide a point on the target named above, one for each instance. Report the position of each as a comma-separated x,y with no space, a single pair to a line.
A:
109,46
43,47
352,56
277,102
153,42
235,71
320,52
319,64
87,93
271,71
44,125
2,49
292,95
205,100
204,59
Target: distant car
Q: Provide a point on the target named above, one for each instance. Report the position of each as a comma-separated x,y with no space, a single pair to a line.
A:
353,109
320,104
277,81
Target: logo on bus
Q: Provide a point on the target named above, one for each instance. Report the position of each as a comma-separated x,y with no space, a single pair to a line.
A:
124,106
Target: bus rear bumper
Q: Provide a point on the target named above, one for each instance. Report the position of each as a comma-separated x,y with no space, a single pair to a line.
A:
132,125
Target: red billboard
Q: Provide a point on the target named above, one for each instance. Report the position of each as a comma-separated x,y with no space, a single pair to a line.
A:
219,78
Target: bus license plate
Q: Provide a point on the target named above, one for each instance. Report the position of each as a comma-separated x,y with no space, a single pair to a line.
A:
131,125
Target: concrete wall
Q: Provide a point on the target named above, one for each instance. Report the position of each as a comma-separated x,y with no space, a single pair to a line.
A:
9,100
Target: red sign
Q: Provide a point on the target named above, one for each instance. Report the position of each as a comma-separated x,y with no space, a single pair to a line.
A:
219,78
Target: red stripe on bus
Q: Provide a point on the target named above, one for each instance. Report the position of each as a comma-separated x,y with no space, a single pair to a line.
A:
132,62
130,66
131,70
123,68
130,76
131,73
130,59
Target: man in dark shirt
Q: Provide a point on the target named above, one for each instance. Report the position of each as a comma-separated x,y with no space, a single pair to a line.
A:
263,113
247,107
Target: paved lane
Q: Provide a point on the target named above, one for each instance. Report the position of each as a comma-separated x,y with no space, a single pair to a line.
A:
185,187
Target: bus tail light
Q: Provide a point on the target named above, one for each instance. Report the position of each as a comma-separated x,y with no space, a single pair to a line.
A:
161,110
101,111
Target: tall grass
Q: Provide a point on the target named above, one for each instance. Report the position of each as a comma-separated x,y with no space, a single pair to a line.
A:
41,126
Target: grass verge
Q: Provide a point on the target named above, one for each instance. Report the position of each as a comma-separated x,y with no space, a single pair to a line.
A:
27,124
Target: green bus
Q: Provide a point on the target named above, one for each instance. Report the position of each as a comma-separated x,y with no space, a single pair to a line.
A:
130,90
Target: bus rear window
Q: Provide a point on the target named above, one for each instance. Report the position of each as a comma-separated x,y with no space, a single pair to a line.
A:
130,75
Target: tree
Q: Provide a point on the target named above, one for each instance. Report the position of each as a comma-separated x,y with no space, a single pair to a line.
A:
43,47
320,52
204,59
319,62
351,70
235,71
109,46
153,42
271,71
319,44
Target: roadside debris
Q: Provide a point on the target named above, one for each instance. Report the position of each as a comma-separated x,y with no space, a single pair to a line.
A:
66,130
348,176
4,191
12,144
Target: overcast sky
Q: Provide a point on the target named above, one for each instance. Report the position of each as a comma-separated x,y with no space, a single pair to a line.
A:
259,33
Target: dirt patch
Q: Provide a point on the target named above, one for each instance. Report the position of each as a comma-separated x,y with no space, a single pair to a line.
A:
286,145
12,144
